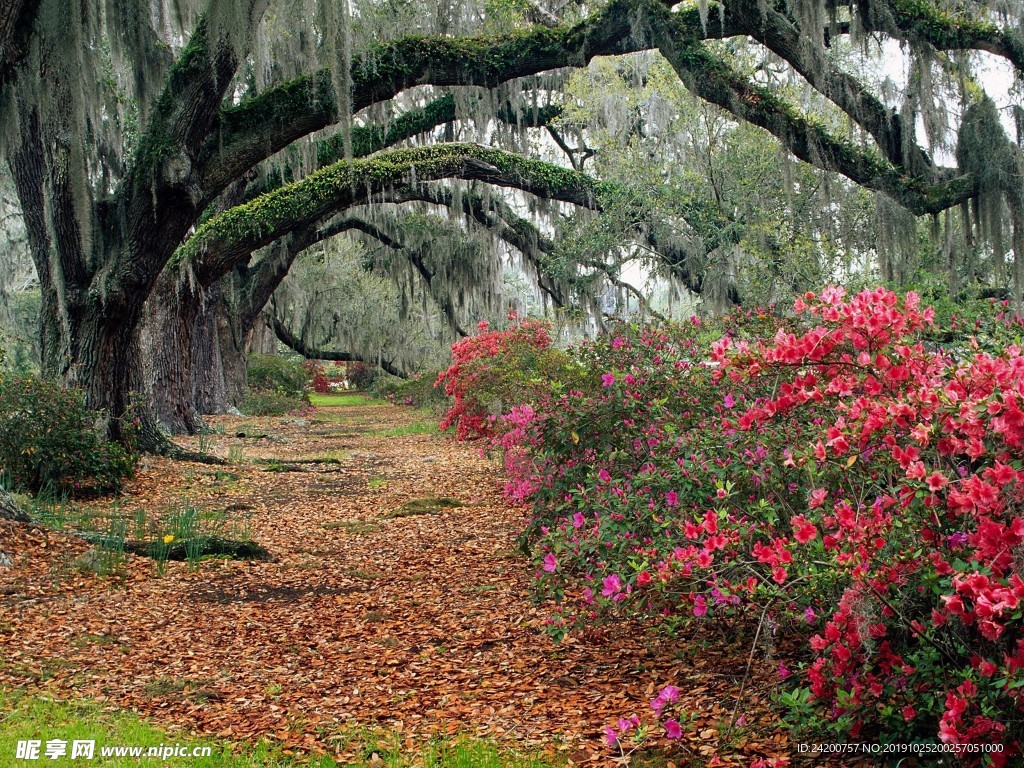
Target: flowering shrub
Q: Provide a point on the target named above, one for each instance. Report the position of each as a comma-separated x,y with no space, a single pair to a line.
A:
496,370
316,374
48,440
835,475
361,375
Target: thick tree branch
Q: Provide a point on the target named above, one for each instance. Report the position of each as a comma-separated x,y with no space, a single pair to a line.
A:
230,237
311,352
160,197
926,22
780,34
714,80
265,124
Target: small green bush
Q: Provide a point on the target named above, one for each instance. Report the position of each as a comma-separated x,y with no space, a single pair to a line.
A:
418,391
48,440
270,372
272,402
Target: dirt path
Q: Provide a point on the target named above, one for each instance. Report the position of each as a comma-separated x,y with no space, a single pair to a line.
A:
418,624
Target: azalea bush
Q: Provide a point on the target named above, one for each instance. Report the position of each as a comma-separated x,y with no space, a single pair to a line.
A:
317,376
851,475
495,370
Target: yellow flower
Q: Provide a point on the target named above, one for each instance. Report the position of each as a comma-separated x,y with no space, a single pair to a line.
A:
168,539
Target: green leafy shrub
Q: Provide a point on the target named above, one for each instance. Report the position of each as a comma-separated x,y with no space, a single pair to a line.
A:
496,370
272,402
270,372
48,440
417,391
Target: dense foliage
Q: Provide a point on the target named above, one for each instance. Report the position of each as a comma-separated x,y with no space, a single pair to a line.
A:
497,369
837,475
278,385
49,441
417,391
273,372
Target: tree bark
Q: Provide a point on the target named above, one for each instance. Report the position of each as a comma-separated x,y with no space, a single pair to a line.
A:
169,334
9,509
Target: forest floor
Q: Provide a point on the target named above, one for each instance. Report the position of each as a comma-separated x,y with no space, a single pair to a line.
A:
417,622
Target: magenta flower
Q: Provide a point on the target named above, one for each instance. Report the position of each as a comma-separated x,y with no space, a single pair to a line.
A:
700,607
612,585
604,475
550,564
578,520
730,401
673,730
669,693
672,499
607,379
809,615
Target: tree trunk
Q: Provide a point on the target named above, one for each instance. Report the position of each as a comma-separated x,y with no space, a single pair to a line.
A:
168,333
232,345
208,376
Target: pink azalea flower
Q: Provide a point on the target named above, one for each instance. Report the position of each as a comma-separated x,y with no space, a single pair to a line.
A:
550,563
612,585
700,607
607,379
610,736
673,730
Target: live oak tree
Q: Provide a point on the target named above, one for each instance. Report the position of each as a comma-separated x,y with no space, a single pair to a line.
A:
157,145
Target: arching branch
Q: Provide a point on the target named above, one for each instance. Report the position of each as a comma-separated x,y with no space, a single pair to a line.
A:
712,78
265,124
230,237
312,352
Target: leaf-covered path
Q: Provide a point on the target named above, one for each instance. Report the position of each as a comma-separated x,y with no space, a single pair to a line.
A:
417,624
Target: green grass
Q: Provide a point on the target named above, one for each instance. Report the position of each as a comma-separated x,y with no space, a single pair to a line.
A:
346,400
25,716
